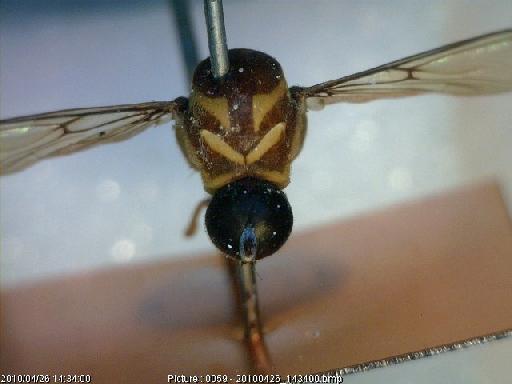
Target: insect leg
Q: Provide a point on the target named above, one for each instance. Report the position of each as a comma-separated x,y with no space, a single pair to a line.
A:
192,225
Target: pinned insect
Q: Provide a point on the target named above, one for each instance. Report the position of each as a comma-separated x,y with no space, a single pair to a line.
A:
243,131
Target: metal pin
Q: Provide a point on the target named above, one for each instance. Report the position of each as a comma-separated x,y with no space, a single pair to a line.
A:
214,16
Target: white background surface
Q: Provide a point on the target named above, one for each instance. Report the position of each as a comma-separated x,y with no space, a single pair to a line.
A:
130,202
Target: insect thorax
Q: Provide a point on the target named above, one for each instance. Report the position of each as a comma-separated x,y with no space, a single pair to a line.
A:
246,124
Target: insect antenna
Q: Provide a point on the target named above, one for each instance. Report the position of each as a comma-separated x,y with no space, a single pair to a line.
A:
245,271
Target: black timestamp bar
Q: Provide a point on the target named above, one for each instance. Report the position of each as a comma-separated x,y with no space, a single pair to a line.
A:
314,378
9,378
211,379
44,378
184,379
257,378
221,379
71,378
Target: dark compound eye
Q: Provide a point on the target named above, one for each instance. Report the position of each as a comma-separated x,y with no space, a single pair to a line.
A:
249,203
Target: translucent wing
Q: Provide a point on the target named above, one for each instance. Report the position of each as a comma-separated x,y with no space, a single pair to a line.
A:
27,139
478,66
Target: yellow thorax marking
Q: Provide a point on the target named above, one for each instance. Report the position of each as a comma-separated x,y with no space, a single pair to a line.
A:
263,103
267,142
281,179
218,145
217,106
214,183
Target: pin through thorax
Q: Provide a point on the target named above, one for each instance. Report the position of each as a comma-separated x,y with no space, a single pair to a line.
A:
214,15
244,268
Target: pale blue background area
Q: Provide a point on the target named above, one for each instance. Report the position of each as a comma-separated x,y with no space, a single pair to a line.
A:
130,202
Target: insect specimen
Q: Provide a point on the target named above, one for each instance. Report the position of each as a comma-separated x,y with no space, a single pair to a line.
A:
243,132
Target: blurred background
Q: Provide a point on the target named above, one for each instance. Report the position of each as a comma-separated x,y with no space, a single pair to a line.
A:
130,202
